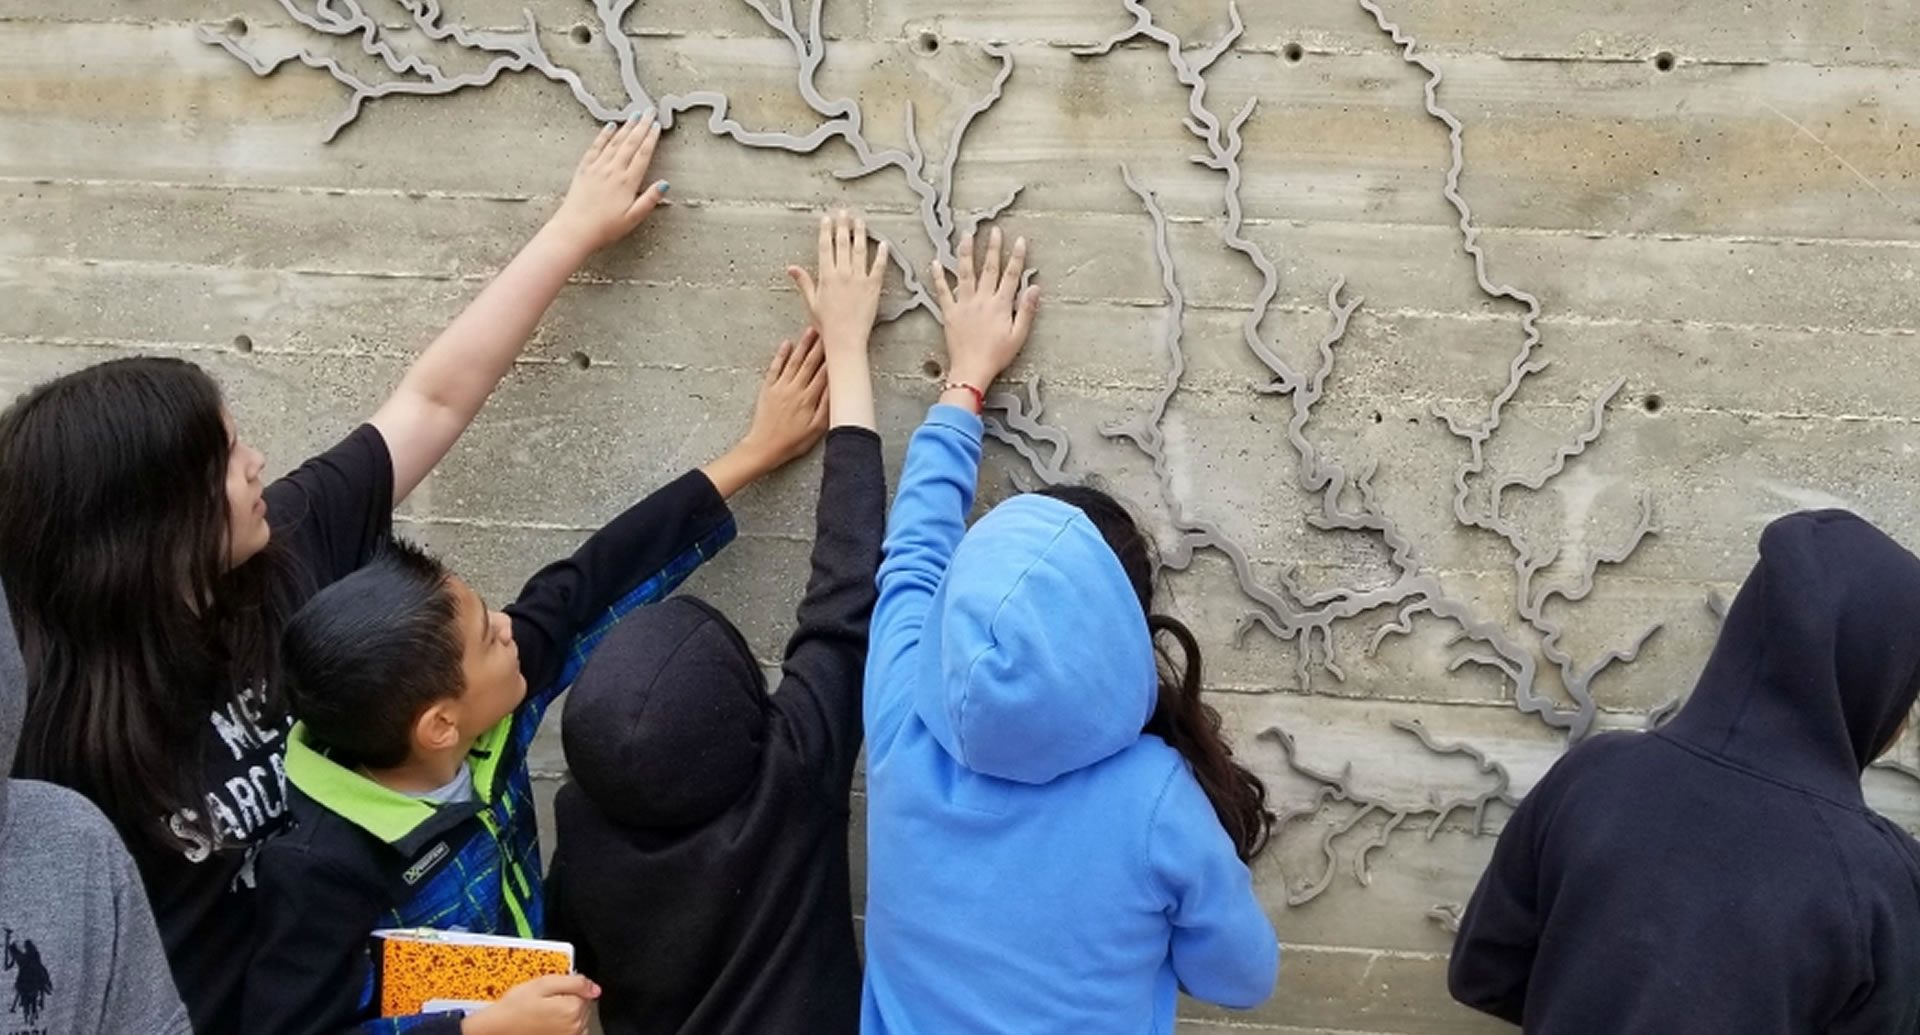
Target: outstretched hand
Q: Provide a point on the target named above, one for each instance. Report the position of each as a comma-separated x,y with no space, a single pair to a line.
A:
843,304
609,196
845,300
789,417
987,316
791,414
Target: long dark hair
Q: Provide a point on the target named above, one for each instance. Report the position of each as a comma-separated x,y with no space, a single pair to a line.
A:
1181,717
113,512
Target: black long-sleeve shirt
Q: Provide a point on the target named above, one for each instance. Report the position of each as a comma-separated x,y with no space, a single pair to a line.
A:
701,868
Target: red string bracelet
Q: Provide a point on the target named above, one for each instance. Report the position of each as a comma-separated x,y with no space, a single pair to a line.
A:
979,397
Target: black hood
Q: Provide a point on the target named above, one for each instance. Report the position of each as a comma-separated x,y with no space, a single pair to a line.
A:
1818,662
665,726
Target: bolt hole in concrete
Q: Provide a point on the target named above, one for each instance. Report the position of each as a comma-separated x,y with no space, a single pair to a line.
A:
1652,403
932,369
236,26
583,34
927,43
1294,53
1664,61
242,343
580,360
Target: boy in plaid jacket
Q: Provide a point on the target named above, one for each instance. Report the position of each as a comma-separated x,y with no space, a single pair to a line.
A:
416,707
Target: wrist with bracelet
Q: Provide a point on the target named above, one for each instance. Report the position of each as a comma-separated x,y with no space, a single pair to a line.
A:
979,396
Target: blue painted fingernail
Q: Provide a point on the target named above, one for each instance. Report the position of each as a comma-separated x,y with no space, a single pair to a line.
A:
664,185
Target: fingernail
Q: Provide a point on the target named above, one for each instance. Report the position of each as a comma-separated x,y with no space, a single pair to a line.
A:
663,186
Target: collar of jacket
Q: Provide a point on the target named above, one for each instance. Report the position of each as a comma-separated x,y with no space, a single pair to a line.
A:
407,824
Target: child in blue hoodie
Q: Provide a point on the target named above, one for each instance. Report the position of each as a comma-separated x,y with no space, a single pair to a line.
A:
1057,833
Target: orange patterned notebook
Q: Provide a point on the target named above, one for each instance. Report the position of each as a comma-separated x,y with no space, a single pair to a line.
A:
454,969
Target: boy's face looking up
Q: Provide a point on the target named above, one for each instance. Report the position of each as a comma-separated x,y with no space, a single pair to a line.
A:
492,685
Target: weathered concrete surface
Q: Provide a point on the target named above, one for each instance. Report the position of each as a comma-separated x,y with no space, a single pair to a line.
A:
1733,227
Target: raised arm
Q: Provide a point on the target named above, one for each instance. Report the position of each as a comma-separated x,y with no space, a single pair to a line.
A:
929,517
987,319
822,674
447,385
820,689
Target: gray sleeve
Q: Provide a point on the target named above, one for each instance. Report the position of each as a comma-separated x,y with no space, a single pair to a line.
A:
140,994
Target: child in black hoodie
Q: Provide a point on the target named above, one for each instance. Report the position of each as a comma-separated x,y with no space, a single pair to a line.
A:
701,863
1724,876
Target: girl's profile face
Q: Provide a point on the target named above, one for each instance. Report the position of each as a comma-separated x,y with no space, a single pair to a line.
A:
247,530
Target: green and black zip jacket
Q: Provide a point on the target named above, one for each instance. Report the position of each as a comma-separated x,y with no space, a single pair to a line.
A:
363,858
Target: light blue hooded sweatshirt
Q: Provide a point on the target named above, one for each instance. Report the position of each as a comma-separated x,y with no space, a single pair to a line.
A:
1035,863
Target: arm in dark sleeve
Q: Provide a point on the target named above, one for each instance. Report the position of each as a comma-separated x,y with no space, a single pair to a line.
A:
1493,954
638,558
1880,982
333,511
311,972
827,655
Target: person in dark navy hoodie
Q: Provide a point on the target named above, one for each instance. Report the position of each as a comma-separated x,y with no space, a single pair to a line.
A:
701,867
1724,874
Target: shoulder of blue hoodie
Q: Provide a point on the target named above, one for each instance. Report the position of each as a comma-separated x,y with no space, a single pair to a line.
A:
77,937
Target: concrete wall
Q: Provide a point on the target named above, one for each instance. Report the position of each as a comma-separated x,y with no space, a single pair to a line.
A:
1713,201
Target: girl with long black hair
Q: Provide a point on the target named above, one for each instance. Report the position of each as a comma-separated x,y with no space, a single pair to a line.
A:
151,571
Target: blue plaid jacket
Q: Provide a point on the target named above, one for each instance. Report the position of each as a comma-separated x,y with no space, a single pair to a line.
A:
366,858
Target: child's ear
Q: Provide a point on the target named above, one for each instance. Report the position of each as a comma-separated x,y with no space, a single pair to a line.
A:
437,728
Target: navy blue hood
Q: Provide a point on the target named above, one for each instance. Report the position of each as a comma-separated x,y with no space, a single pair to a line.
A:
1819,660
